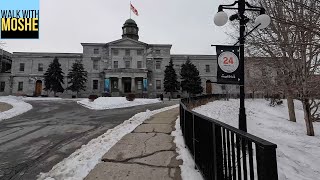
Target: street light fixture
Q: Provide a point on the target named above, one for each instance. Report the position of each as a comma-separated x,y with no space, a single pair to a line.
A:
261,22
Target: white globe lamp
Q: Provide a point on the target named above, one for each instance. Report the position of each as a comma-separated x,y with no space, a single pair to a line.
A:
221,18
263,20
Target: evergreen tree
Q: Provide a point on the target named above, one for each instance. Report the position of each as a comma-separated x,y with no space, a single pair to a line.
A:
53,78
191,81
77,77
170,79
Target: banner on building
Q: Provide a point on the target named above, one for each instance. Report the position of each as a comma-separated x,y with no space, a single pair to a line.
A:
107,85
228,71
145,85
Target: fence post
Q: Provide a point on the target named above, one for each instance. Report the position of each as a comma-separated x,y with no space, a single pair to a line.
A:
193,141
217,149
267,162
182,118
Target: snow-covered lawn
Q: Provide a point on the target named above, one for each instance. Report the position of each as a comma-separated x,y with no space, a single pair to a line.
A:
114,102
298,155
78,165
18,107
188,172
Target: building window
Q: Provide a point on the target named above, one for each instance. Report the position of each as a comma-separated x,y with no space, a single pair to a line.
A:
263,72
40,67
2,86
139,64
115,64
139,85
223,87
207,68
158,84
127,52
21,67
115,52
158,64
158,52
95,64
127,63
95,84
20,86
95,51
139,52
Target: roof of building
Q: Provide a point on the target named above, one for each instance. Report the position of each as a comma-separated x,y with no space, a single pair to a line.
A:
160,45
45,54
193,57
93,44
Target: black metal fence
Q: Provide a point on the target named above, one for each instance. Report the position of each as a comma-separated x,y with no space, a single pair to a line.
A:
221,151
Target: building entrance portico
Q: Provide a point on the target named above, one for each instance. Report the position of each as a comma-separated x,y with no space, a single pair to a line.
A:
124,81
126,85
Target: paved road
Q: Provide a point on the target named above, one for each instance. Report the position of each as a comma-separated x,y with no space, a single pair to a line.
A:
37,140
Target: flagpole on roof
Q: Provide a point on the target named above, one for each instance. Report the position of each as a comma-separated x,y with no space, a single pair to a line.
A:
130,9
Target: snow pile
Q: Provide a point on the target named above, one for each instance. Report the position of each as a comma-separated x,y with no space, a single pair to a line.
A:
298,155
114,102
18,107
41,98
187,168
82,161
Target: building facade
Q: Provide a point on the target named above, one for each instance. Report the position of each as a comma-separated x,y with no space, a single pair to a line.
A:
123,66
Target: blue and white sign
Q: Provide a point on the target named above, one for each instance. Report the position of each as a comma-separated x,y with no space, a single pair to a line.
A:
145,84
107,85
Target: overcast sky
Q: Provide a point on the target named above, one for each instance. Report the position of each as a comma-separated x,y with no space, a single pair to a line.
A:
64,24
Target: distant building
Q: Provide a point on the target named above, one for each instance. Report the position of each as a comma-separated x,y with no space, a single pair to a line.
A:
123,66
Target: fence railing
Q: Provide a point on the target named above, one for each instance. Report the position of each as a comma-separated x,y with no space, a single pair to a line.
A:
221,151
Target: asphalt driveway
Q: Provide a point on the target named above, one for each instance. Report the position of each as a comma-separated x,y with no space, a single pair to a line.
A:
40,138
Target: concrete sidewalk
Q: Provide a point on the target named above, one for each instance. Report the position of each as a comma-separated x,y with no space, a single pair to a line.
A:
146,153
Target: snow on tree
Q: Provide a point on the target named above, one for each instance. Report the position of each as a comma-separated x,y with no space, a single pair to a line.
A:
53,77
191,81
170,79
77,77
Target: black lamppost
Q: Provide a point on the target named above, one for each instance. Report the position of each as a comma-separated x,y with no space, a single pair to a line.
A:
262,21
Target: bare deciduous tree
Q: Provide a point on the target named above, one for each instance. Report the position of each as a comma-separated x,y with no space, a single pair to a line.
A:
293,41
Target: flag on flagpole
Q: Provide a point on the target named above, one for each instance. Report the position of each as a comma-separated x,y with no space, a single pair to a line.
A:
134,10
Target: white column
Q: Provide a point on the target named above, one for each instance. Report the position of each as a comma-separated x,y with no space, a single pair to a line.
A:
133,84
120,84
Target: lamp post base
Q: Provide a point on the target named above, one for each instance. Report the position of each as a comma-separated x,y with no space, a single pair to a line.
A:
242,119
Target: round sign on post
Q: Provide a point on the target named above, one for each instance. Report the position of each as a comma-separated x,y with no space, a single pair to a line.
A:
228,62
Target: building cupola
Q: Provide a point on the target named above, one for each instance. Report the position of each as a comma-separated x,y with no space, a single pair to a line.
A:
130,30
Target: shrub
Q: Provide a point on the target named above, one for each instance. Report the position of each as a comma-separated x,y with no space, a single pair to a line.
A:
131,97
92,97
106,95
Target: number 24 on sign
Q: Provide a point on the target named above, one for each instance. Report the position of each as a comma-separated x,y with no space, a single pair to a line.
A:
227,60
